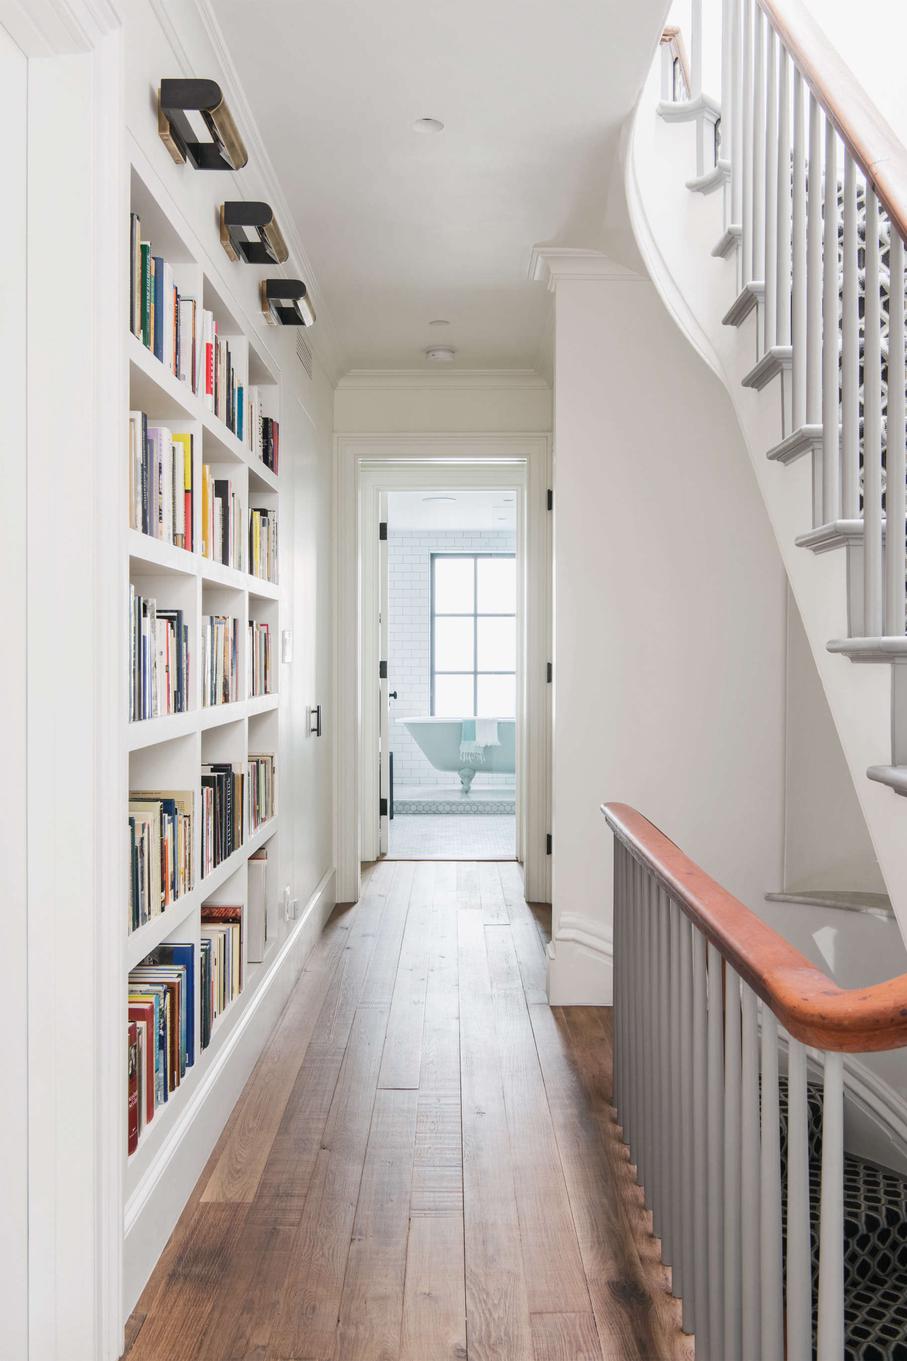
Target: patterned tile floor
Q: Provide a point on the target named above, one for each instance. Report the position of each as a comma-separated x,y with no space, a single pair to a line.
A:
452,836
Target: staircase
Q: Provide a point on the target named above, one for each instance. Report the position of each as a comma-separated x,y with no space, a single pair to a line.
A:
769,201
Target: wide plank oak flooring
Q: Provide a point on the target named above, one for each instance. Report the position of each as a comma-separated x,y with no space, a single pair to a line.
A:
424,1164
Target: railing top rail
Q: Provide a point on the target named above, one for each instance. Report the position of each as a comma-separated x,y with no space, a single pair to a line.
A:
870,139
672,37
811,1007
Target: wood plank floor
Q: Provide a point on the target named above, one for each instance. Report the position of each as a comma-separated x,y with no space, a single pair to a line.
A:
424,1164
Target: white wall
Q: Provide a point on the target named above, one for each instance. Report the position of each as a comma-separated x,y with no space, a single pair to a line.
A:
669,619
443,403
409,643
827,844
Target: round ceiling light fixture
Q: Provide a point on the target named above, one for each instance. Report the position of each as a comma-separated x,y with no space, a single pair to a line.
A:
428,125
439,498
439,322
441,354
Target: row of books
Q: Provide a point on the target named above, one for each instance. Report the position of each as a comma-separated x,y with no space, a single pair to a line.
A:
223,807
220,681
221,963
262,770
263,543
161,1036
264,434
160,851
158,659
160,481
258,659
222,536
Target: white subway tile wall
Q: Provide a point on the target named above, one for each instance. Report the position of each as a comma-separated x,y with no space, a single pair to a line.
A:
409,646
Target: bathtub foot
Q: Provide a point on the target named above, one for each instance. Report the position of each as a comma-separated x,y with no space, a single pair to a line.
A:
467,775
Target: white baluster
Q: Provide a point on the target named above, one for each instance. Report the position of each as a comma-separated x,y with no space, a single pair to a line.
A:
695,49
783,230
686,1087
655,1198
759,103
770,1178
798,263
895,461
733,1289
645,1041
700,1180
799,1265
814,269
830,1340
770,309
872,428
727,115
715,1151
749,1187
736,138
678,1100
664,1079
618,946
747,140
850,356
831,464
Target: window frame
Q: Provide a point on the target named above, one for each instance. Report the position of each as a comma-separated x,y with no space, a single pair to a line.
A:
475,615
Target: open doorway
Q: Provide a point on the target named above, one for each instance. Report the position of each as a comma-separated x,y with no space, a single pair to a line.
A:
453,629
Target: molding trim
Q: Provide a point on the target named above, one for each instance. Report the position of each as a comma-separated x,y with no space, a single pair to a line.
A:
580,966
551,265
450,380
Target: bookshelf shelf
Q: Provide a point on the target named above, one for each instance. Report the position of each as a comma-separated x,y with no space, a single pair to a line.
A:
148,732
147,937
160,555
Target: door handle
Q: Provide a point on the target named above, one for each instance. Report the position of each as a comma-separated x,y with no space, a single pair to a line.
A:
392,694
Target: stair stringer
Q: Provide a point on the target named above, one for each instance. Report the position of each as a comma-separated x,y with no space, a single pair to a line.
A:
676,231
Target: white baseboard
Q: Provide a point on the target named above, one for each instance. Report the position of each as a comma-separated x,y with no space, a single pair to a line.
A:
580,964
157,1201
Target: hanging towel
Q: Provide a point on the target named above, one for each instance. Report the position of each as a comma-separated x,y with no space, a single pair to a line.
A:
487,732
472,753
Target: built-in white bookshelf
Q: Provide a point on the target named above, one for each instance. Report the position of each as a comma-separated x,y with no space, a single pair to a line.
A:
168,752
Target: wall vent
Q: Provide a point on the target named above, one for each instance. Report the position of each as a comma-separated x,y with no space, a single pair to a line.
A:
304,352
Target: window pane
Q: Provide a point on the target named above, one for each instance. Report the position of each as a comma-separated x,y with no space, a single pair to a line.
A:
497,586
453,697
497,644
497,697
454,644
454,586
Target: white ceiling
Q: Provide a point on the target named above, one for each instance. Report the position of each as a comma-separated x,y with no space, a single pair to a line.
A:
435,509
403,228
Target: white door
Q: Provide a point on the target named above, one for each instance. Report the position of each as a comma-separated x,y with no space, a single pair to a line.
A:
13,845
383,686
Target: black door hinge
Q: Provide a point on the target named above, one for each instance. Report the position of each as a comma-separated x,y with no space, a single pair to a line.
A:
548,844
382,808
551,498
549,671
382,670
382,530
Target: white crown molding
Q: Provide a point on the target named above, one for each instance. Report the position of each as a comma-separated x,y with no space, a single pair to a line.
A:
448,380
552,264
322,337
45,28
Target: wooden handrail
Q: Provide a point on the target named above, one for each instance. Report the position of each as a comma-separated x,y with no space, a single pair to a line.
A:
811,1007
673,37
871,140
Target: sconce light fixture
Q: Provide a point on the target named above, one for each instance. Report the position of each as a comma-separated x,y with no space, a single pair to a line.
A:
176,98
265,247
285,302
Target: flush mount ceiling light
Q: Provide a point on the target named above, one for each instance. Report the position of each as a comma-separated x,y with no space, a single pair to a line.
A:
439,498
441,354
440,322
428,125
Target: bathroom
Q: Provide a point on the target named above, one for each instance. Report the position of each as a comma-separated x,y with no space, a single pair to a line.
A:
452,673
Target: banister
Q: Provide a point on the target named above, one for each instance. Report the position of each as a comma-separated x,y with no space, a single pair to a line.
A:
672,37
812,1008
871,140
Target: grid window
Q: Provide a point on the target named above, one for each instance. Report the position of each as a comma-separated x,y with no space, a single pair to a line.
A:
473,635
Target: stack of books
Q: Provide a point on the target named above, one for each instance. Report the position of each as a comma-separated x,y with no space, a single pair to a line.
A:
160,850
222,538
222,813
166,322
263,432
158,659
262,788
160,481
221,963
161,1032
259,659
224,394
220,682
263,543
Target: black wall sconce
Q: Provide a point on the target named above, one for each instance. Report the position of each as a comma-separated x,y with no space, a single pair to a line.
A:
225,151
285,302
267,247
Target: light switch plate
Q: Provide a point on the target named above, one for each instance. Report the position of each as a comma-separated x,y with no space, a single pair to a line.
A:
286,645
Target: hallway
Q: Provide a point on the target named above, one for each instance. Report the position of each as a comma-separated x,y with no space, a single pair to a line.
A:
423,1164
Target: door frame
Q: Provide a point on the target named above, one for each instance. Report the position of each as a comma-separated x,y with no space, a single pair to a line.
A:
443,457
